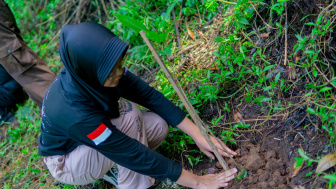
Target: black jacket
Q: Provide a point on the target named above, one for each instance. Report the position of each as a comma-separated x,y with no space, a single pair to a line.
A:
69,116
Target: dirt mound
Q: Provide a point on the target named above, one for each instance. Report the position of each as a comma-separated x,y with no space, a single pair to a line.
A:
265,168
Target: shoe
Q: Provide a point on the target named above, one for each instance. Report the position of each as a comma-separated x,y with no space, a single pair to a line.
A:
6,116
155,182
112,176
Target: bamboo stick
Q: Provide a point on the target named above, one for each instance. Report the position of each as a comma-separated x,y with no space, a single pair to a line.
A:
185,101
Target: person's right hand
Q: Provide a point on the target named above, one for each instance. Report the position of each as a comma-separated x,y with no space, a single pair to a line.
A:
215,181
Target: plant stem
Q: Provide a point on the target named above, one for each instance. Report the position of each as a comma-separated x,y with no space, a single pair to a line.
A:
227,2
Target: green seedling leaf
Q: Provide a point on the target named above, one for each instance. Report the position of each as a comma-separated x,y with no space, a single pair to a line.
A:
303,155
297,166
308,94
325,89
309,174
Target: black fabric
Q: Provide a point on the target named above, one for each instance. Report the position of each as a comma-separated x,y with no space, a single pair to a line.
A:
89,52
11,92
71,111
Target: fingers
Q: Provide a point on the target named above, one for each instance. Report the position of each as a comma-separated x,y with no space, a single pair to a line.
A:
226,176
209,154
220,144
223,152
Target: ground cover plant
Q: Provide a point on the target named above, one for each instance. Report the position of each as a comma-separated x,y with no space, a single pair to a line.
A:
261,75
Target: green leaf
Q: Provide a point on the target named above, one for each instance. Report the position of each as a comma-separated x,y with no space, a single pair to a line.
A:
310,24
243,20
330,177
309,174
311,111
268,67
248,98
132,23
325,89
298,162
277,77
169,9
315,73
218,39
211,5
138,26
308,94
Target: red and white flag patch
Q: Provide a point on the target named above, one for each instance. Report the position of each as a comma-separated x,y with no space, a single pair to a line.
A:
100,134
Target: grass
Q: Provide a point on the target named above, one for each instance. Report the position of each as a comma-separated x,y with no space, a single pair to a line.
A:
231,66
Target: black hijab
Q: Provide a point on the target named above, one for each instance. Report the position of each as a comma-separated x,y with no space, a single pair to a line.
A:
89,51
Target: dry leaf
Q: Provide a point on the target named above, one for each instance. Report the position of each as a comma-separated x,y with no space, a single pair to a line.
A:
264,35
238,117
191,34
297,58
198,20
326,162
200,33
296,170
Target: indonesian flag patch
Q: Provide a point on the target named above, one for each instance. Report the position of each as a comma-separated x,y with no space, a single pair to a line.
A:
100,134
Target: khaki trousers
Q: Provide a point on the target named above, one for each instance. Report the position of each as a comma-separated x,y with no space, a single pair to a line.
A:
85,165
20,61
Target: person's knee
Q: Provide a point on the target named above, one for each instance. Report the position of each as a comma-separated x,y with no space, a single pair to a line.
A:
163,126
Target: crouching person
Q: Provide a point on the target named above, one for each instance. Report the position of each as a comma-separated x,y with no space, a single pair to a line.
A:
86,130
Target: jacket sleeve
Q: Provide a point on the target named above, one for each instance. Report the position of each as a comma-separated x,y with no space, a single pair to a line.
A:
125,151
138,91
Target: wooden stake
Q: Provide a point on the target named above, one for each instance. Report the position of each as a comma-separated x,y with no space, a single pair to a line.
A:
185,101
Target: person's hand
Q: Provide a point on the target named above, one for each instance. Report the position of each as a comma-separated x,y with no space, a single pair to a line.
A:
210,181
205,147
215,181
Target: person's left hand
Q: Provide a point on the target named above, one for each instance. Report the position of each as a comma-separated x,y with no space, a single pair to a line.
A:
205,147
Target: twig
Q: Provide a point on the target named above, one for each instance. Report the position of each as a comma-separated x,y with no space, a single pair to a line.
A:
99,13
186,102
183,50
155,70
105,10
260,16
285,61
78,17
59,31
324,76
112,5
177,33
